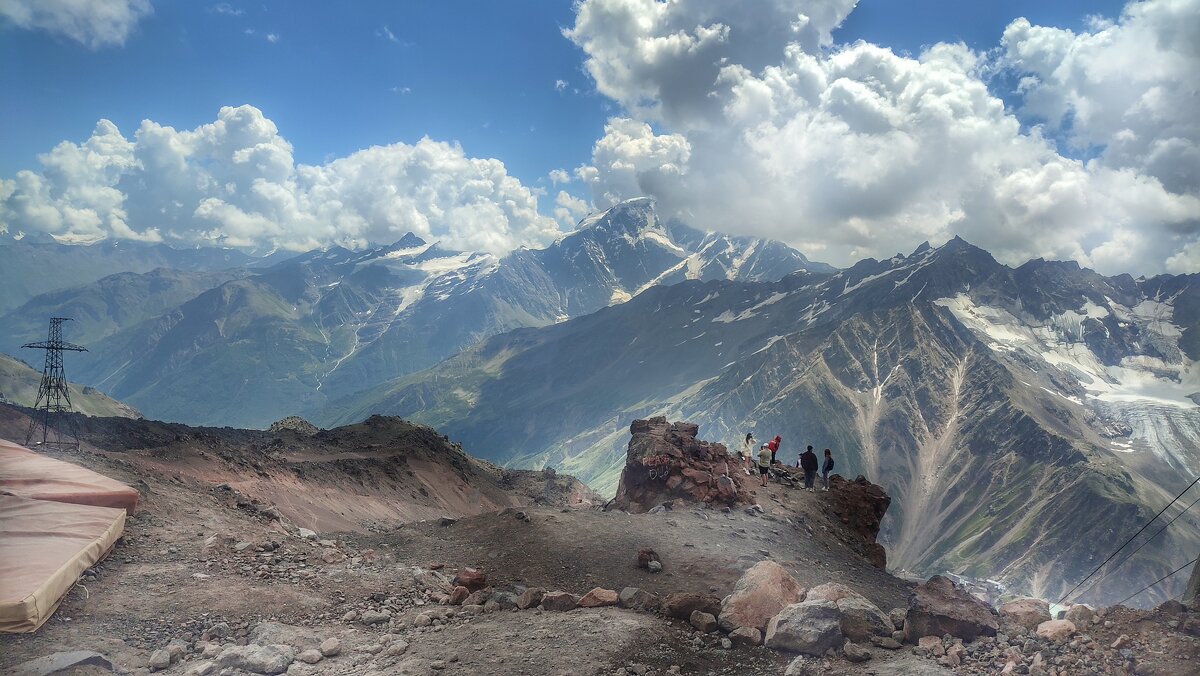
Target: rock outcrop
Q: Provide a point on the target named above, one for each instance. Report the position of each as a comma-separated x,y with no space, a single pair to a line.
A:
666,462
294,423
861,505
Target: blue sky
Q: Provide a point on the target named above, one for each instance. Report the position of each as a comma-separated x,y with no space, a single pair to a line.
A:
480,73
843,129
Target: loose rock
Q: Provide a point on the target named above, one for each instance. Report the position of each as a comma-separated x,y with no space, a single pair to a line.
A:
310,656
855,652
703,622
159,660
1056,630
331,647
746,636
471,578
559,601
682,604
263,659
598,597
1027,613
530,598
811,627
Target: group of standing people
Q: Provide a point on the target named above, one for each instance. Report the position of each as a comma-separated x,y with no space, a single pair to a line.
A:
767,455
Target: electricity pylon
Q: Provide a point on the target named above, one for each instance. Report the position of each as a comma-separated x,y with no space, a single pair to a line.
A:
53,396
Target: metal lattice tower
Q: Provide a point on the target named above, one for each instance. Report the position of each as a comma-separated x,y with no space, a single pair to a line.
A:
54,397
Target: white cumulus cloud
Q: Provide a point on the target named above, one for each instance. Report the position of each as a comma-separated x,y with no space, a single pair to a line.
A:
745,117
234,182
1129,87
569,209
92,23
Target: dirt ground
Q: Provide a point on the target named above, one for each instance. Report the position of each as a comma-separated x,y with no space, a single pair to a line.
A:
195,555
163,582
702,549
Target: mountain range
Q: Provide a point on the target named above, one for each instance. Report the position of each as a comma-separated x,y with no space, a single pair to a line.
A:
33,265
1018,416
247,347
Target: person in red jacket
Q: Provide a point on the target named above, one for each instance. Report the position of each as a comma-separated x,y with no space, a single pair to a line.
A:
774,446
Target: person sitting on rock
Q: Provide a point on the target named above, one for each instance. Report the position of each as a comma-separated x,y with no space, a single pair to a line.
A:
747,453
826,469
808,463
764,462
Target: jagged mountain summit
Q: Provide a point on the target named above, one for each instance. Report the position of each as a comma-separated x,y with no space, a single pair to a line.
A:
1018,416
253,348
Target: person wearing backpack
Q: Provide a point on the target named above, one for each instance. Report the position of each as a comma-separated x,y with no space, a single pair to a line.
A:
808,463
826,469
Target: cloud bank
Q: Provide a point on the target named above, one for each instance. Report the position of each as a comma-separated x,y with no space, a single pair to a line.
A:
745,117
234,182
742,117
91,23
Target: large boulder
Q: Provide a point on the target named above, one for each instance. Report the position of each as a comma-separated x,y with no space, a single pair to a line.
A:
1026,613
861,619
1056,630
938,607
810,627
258,659
763,590
681,605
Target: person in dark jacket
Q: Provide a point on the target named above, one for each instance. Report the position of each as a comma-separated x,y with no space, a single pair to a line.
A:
808,463
826,469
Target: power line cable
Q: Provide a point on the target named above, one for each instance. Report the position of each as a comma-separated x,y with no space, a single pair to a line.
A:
1126,544
1122,601
1139,547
